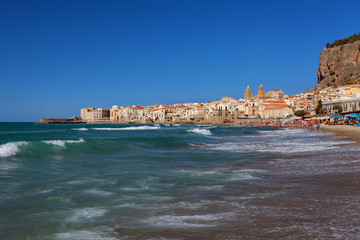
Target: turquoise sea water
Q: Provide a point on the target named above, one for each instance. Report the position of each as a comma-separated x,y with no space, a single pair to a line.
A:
176,182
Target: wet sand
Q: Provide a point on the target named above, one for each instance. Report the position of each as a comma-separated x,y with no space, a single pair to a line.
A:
343,132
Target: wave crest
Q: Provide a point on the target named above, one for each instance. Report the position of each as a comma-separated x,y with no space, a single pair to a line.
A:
11,148
129,128
202,131
61,143
80,129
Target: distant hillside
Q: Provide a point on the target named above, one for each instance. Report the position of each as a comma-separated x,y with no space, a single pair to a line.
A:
340,42
340,63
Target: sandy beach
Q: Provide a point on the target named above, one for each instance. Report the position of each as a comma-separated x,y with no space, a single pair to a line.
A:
343,131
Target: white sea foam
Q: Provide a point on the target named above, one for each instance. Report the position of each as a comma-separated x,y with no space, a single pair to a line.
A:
77,182
187,205
195,221
82,235
98,192
5,166
155,198
289,146
91,181
132,189
129,128
203,204
302,146
130,205
236,146
61,143
85,214
291,132
227,146
242,176
80,129
203,131
11,148
234,175
200,173
44,191
210,188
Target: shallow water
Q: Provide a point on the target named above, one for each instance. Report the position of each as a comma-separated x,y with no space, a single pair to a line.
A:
176,182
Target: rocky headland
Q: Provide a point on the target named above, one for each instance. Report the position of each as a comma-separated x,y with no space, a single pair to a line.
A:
340,63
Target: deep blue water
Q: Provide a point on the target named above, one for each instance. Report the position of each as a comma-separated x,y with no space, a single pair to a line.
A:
176,182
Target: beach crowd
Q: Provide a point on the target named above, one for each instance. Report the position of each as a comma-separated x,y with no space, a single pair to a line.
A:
304,123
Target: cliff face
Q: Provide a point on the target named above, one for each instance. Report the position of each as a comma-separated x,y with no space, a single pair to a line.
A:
339,65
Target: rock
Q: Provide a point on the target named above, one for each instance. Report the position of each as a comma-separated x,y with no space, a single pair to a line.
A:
339,65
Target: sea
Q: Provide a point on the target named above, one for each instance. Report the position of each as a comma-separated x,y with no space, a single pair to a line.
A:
87,181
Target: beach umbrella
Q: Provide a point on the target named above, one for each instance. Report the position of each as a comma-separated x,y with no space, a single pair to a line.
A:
337,116
353,115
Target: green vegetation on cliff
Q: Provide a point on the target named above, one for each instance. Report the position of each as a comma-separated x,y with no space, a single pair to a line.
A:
340,42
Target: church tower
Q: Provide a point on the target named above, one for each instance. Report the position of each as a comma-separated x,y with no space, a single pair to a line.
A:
248,93
261,92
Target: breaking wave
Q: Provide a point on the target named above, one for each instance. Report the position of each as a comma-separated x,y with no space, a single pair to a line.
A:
129,128
80,129
11,148
202,131
61,143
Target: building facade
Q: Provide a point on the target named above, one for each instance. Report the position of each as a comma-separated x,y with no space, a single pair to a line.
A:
92,115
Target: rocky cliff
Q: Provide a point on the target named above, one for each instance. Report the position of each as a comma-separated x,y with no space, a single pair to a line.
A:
339,65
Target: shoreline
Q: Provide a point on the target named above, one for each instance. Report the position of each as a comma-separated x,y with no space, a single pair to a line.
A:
343,132
339,132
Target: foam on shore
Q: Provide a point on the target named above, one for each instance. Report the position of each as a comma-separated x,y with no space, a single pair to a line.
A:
188,221
82,235
86,214
286,141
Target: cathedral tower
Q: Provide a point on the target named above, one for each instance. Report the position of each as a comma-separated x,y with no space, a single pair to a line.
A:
248,93
261,92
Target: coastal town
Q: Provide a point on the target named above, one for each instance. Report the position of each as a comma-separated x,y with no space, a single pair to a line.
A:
336,95
263,105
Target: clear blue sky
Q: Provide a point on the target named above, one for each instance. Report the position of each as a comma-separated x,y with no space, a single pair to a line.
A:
57,57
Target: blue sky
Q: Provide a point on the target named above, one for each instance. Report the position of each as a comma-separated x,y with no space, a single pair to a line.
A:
57,57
